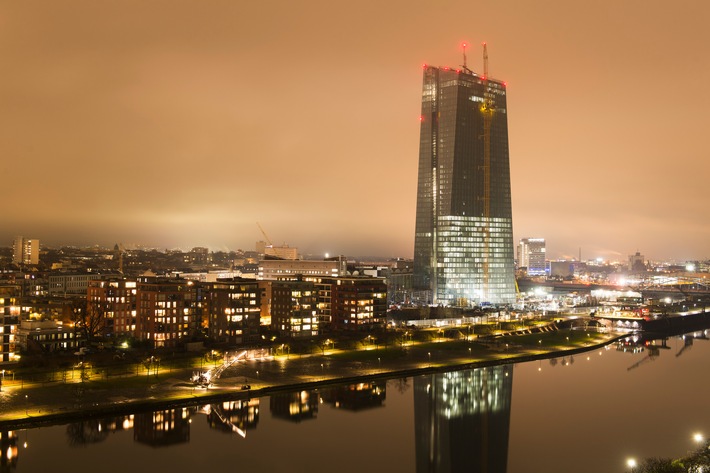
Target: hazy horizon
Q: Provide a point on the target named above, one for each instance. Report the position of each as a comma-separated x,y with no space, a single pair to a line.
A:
177,124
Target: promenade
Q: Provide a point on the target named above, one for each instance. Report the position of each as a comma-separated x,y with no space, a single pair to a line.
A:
24,404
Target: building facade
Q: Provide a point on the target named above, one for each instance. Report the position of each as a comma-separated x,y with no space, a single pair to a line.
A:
293,309
46,336
531,255
463,250
25,251
169,311
61,284
358,303
234,307
9,319
282,269
117,299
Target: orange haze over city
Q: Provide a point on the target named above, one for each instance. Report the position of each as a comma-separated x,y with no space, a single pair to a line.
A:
175,123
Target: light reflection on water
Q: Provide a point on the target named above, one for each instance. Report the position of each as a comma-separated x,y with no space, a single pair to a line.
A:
584,413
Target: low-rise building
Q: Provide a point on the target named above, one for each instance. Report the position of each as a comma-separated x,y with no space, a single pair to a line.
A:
282,269
46,336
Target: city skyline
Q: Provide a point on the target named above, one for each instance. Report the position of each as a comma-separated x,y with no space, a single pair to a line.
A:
172,125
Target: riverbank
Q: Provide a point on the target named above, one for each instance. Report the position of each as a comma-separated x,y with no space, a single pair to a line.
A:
27,405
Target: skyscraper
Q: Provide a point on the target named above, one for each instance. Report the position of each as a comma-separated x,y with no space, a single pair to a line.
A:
463,247
531,255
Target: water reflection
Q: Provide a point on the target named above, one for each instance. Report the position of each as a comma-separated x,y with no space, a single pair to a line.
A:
233,416
462,420
652,344
355,397
8,450
86,432
163,428
296,406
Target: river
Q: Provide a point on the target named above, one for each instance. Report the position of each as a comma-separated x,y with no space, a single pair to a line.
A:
587,413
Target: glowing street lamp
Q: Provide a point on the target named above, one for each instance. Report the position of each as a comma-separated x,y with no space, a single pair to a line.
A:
631,463
698,437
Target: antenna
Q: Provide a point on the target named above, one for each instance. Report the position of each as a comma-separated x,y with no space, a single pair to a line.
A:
485,60
464,45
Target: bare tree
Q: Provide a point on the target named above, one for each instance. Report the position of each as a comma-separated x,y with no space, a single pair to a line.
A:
89,318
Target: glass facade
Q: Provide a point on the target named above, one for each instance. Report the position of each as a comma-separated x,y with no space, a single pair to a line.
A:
463,250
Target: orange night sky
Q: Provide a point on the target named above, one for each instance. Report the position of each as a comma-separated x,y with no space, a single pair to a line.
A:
176,123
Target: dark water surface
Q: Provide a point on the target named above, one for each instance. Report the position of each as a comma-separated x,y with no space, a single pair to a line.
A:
586,413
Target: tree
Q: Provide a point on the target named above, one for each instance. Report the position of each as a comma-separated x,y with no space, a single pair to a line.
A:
89,318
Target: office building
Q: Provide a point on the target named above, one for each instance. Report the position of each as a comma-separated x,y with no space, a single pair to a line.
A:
463,249
531,255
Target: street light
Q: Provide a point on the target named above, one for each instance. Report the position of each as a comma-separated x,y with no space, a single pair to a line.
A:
631,463
429,355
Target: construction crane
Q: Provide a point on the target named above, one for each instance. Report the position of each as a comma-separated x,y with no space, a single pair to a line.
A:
487,110
464,66
652,354
266,237
687,344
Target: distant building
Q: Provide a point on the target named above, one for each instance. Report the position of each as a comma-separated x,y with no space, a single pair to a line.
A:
25,251
199,256
399,282
562,269
531,255
284,251
234,307
279,269
169,311
61,284
637,262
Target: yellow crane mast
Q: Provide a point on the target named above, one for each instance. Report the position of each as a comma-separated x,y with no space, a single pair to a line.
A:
487,110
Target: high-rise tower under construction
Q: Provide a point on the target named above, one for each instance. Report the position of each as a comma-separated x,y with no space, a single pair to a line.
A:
463,249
